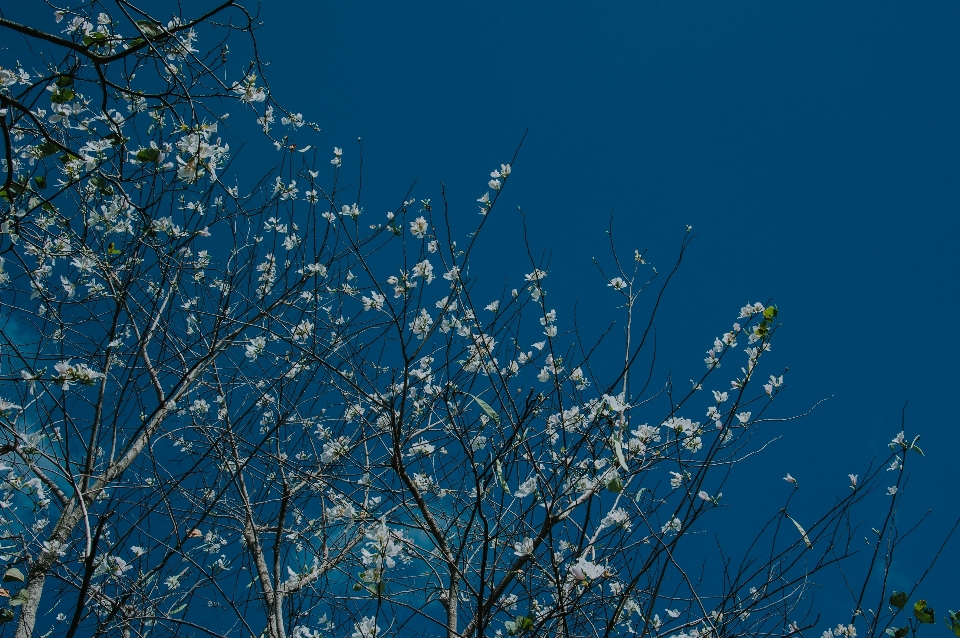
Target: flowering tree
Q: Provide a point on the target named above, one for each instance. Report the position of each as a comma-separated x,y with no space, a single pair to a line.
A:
255,409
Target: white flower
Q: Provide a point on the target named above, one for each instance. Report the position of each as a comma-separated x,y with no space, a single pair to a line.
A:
386,545
775,382
485,203
618,517
585,570
424,269
333,450
248,92
578,378
421,448
536,276
617,283
421,324
693,443
790,479
80,373
255,347
374,301
341,510
452,275
314,270
493,306
302,331
7,407
673,525
295,120
676,479
898,441
200,406
419,227
526,488
366,628
853,481
750,309
891,490
848,631
68,286
523,548
115,566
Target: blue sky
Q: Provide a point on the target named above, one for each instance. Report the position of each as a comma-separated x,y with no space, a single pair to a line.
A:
812,146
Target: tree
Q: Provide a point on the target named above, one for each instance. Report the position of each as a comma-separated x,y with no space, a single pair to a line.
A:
254,410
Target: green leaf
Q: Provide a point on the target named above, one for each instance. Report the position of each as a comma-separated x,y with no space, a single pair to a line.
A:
953,622
618,449
19,599
923,613
178,609
615,485
40,181
770,312
62,96
64,80
149,29
803,533
898,599
116,139
47,148
94,38
503,481
898,633
13,574
102,185
487,409
917,449
521,624
6,615
148,154
14,190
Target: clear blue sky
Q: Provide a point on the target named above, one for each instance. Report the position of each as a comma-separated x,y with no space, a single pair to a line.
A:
812,145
